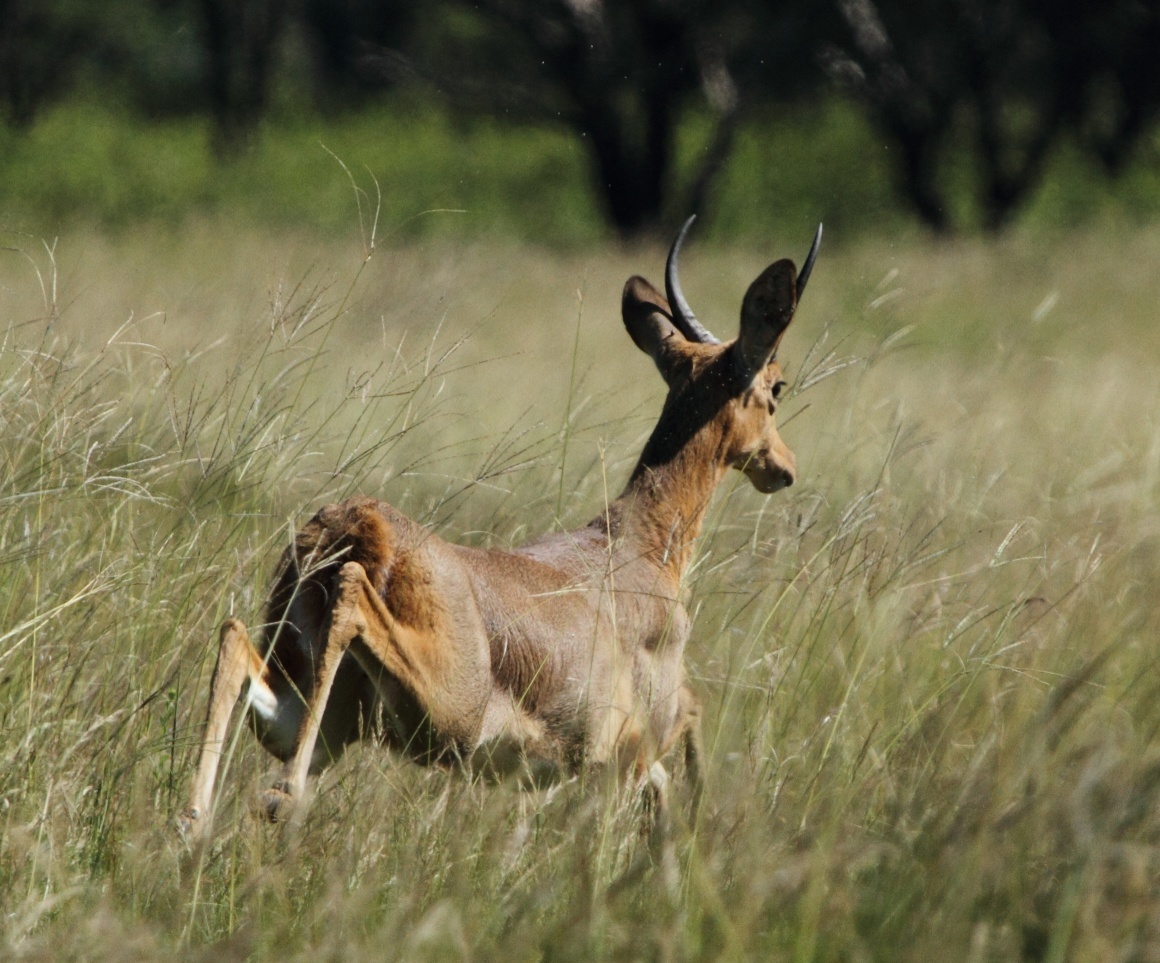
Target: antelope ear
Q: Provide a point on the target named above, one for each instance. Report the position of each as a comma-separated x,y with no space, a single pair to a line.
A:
649,322
765,314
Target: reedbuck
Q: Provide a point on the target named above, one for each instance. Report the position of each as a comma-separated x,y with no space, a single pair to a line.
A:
565,652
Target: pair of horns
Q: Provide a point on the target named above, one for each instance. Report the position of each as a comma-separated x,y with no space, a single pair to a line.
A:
683,317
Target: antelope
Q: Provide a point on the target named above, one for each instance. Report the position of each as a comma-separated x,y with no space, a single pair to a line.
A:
567,651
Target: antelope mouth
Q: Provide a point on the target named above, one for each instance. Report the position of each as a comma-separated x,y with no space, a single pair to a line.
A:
766,478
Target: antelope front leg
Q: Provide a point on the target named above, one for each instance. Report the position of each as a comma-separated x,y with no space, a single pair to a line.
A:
686,732
237,661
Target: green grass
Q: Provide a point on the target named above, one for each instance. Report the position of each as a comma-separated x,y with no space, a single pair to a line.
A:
92,162
928,669
84,161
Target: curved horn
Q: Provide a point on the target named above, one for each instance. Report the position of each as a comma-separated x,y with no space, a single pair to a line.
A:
683,316
809,265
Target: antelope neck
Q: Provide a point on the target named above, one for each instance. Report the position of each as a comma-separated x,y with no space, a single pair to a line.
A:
664,503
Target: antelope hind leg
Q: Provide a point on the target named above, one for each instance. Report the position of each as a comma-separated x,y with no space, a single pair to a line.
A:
237,662
361,623
689,731
343,624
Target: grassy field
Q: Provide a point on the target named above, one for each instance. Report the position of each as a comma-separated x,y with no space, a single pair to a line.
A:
928,670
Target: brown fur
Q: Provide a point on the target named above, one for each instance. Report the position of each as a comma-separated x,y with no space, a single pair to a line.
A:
568,650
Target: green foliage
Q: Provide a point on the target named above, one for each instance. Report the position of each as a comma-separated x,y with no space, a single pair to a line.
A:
795,167
86,162
964,118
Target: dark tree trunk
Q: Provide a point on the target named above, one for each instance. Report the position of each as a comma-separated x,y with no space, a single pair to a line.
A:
919,175
619,74
1010,170
240,40
632,166
39,53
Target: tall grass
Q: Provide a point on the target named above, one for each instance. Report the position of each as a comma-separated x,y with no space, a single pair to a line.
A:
928,673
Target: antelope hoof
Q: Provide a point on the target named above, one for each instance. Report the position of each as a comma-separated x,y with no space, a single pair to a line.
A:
655,787
189,825
275,804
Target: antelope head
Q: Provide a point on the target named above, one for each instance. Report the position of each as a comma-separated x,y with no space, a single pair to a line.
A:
728,393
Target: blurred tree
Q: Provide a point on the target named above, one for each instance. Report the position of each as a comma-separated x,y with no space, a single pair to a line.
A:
239,38
42,46
1112,56
350,41
1003,81
226,50
967,92
621,74
924,70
